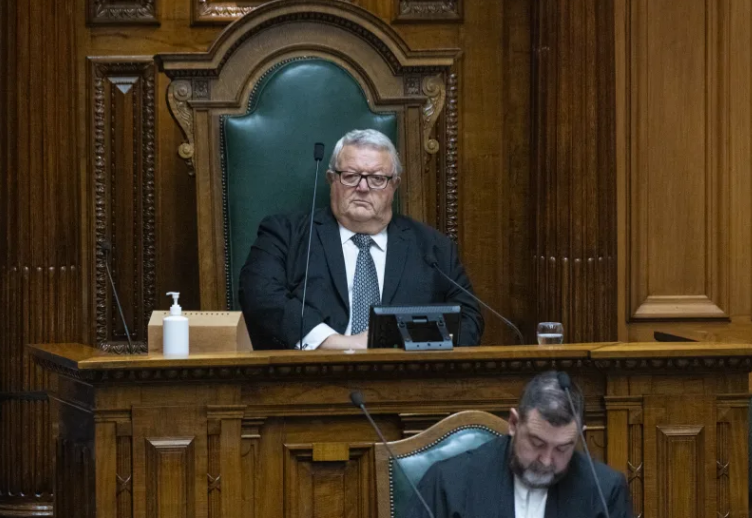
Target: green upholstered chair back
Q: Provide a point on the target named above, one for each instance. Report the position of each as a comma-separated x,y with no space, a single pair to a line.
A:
456,434
267,154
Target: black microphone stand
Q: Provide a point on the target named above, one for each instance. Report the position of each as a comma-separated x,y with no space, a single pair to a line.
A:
318,156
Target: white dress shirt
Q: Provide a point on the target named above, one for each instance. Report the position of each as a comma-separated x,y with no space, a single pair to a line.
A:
529,503
321,332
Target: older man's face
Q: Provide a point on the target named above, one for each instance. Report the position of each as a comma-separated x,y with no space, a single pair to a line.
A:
360,208
540,451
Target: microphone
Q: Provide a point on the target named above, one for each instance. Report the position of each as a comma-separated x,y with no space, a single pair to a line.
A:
318,156
433,263
566,383
107,249
357,399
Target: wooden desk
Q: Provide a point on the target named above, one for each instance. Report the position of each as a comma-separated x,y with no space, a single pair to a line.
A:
272,434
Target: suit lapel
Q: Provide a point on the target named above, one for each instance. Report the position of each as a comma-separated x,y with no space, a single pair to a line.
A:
397,248
328,232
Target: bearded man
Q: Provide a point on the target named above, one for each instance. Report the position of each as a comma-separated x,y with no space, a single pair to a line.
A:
534,472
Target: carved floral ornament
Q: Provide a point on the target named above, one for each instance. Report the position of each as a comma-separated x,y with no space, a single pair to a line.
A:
219,11
124,12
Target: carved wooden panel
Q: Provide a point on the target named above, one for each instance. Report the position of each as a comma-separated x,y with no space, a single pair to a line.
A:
221,11
732,455
249,458
625,444
122,12
681,479
170,472
170,461
427,10
123,158
678,156
328,489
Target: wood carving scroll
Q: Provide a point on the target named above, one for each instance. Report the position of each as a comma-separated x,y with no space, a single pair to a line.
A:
433,87
178,95
128,12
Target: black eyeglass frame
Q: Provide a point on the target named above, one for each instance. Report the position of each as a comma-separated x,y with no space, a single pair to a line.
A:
361,176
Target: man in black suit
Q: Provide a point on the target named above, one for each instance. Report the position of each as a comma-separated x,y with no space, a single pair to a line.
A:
360,255
534,472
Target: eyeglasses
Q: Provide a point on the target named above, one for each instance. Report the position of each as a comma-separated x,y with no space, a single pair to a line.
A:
352,179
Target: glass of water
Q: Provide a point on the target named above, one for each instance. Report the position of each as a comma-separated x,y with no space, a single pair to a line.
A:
550,333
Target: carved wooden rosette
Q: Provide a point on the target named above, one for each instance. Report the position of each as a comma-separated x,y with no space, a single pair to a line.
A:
420,86
428,10
123,141
122,12
574,168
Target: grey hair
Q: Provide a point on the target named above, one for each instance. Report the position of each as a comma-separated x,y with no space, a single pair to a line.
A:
369,138
544,394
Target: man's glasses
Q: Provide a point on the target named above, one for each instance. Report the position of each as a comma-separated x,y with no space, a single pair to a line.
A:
374,181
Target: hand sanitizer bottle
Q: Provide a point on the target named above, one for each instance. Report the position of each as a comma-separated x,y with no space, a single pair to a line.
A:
175,330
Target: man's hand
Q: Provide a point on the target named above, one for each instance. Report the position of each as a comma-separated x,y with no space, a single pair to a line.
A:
344,342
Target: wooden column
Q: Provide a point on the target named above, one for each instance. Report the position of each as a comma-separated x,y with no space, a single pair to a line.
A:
40,282
573,167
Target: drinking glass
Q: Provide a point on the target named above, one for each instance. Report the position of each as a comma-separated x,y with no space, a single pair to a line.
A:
550,333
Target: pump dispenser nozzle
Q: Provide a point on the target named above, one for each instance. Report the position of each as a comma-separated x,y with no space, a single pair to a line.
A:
175,309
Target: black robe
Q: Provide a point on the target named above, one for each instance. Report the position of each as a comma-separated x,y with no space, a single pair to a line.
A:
479,484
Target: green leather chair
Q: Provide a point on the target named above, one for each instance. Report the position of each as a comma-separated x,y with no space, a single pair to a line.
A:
458,433
267,154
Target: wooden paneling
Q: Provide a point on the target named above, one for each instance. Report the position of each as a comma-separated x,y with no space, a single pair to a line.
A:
323,488
679,158
680,471
40,282
676,422
170,462
683,148
123,156
573,170
170,475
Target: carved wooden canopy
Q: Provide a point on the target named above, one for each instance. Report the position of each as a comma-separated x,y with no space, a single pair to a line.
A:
420,86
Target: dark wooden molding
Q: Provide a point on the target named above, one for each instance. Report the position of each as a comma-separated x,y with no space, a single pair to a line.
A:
123,12
123,141
428,10
451,183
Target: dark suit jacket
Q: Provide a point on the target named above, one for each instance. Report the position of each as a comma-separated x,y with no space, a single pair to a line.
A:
479,484
271,281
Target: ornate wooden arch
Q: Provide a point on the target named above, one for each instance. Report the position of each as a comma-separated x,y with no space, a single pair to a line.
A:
420,86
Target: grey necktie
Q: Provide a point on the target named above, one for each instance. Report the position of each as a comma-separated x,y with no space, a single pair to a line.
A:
365,284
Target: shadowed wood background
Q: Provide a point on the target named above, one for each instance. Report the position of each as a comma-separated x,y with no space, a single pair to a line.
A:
604,174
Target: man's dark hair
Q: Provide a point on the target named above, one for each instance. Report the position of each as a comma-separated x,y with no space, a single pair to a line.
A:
544,394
